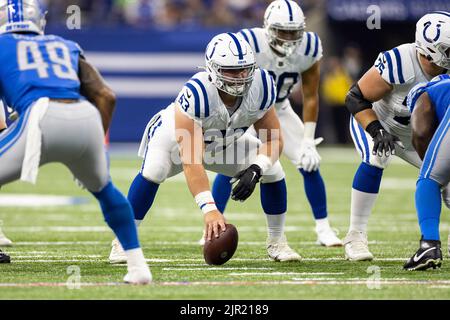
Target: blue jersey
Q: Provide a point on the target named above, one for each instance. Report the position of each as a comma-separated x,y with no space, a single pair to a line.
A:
439,94
36,66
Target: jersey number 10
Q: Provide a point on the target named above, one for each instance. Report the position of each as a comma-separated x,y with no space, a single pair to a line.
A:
60,64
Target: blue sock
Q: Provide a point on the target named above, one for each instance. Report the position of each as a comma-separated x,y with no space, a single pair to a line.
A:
118,215
221,191
274,197
315,192
367,178
428,206
141,195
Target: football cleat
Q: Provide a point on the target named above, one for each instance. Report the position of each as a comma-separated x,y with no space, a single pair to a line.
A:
4,258
4,241
138,275
356,247
201,242
327,237
117,254
279,250
428,256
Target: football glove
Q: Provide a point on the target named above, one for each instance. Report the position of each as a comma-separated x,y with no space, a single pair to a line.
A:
383,141
309,157
246,182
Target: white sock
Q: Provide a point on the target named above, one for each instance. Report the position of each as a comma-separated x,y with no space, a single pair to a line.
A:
138,222
135,257
322,224
275,225
361,208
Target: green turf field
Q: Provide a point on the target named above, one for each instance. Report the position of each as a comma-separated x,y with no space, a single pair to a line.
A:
53,243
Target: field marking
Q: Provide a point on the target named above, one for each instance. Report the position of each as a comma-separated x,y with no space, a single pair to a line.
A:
310,282
215,268
56,243
198,229
157,260
285,273
39,200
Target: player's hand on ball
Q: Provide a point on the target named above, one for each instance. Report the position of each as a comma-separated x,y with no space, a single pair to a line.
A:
309,157
214,224
246,182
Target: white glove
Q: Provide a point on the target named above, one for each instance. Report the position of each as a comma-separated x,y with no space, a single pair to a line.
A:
309,157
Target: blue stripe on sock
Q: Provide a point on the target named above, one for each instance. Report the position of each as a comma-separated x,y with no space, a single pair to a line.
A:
221,191
428,206
367,178
274,197
315,193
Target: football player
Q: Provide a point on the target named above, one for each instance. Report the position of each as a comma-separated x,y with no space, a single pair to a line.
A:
430,121
291,55
44,79
4,241
205,128
380,121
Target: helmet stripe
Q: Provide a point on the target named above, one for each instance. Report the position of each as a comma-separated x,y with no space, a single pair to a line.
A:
238,45
290,10
15,11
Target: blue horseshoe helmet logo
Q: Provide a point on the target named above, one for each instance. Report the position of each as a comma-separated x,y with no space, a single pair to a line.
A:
427,25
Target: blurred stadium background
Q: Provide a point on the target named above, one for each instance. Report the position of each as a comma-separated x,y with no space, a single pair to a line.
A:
147,49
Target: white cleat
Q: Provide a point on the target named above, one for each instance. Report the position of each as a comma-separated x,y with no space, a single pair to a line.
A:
279,250
4,241
201,242
138,275
327,237
356,247
117,254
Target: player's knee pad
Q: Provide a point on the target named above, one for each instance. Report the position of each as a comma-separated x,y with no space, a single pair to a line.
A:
156,168
274,174
274,197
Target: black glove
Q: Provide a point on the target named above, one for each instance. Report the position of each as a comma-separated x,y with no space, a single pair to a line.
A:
383,141
248,179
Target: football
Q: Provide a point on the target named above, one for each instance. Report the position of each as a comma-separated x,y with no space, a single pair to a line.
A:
220,250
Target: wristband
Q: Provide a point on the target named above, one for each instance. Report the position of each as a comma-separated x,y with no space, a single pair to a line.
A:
373,128
310,130
205,202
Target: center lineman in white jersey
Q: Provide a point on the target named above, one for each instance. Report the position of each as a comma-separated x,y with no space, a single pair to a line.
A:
205,128
380,125
288,53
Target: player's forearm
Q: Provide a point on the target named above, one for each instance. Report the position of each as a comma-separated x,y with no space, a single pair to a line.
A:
196,178
106,104
310,108
366,117
271,149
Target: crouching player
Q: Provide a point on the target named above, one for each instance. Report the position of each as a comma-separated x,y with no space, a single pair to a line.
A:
431,137
205,129
44,78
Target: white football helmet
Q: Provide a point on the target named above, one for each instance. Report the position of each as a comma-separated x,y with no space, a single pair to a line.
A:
284,22
21,16
433,37
230,63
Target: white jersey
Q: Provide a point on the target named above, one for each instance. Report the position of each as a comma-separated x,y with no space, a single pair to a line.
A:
199,99
286,71
399,67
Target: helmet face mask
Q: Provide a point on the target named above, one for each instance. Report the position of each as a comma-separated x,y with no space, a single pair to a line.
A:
285,26
433,38
21,16
230,64
284,40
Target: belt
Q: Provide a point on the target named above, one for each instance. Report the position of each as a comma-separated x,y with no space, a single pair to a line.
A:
402,120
